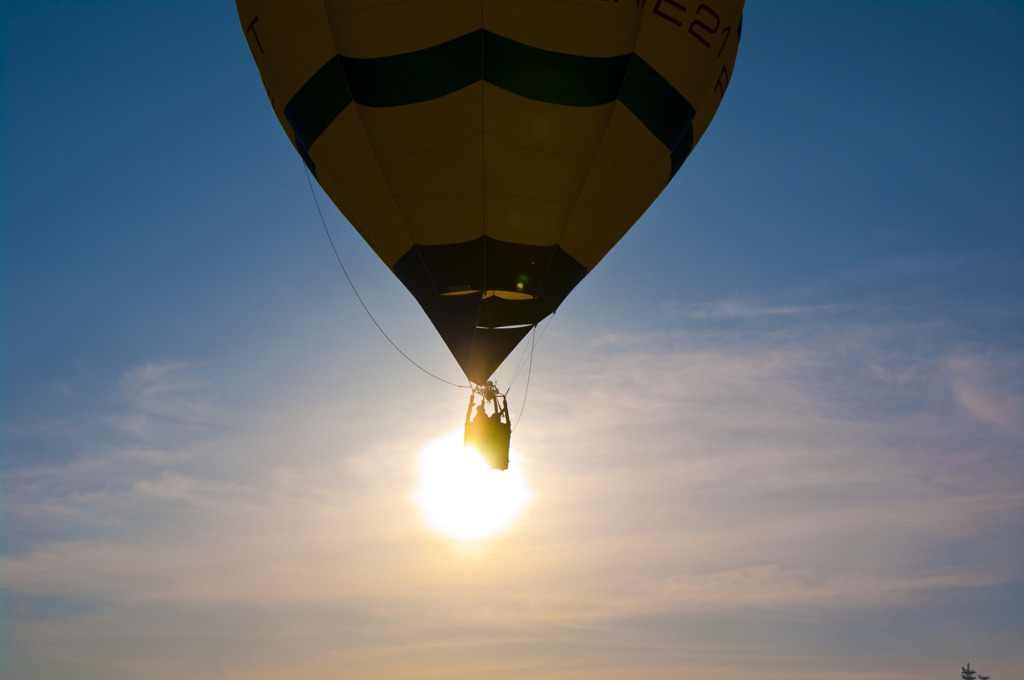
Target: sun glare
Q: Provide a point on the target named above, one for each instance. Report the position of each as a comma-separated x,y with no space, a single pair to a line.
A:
461,497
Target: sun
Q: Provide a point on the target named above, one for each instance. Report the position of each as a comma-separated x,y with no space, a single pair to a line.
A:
461,497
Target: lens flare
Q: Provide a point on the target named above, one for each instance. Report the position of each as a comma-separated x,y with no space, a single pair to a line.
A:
461,497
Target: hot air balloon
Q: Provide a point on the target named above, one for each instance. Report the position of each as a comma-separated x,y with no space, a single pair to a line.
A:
491,152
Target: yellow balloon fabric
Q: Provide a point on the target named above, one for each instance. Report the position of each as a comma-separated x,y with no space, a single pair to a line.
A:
491,152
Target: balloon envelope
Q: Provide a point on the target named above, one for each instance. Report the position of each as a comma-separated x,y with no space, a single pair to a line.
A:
491,152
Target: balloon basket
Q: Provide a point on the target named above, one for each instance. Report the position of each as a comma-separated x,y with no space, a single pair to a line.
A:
490,434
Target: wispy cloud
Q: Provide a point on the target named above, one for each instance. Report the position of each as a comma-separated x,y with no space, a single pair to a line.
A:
982,385
721,310
161,392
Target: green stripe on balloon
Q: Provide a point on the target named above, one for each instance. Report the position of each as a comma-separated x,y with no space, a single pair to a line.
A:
531,72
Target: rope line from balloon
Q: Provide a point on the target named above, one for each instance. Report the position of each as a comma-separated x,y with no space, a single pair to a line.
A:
504,367
344,271
526,390
525,356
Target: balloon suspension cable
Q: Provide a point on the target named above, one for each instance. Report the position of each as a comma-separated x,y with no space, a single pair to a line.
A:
526,391
356,292
528,355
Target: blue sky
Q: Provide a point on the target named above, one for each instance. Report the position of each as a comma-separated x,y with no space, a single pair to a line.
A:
777,433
